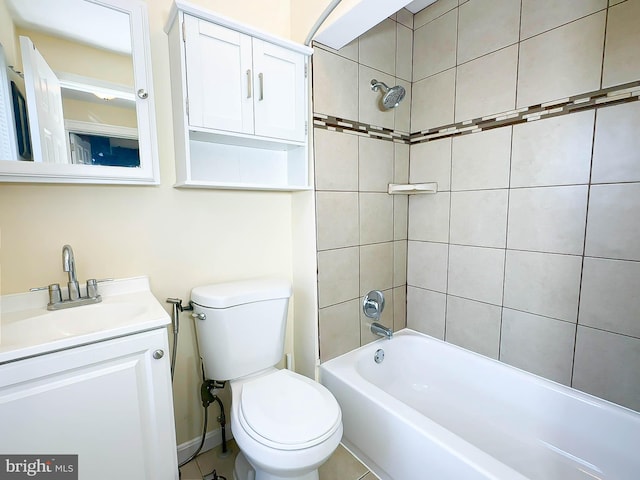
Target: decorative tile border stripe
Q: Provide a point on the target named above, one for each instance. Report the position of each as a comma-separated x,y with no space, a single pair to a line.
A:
328,122
628,92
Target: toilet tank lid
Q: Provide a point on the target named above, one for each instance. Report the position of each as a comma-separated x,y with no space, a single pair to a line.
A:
230,294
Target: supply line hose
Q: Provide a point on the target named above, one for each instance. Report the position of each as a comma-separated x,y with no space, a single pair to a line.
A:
204,429
205,391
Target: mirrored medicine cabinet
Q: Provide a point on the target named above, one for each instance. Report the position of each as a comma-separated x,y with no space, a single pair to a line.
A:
76,99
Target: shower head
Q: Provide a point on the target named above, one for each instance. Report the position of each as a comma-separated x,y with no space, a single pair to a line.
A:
392,96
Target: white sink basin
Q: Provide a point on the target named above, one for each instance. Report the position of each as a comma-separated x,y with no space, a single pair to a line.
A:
27,328
47,326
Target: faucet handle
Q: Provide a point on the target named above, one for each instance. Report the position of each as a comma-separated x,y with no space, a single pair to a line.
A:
92,288
37,289
373,304
55,294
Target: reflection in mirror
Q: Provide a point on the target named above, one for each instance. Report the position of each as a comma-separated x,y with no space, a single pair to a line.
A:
68,85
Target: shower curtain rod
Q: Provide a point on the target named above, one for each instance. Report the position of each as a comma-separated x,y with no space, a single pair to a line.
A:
330,8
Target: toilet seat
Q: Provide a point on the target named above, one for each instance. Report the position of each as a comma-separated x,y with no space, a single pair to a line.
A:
287,411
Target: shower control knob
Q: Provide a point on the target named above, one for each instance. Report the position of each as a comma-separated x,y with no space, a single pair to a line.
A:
158,354
373,304
199,316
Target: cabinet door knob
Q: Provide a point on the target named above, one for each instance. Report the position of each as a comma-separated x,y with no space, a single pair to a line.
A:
261,78
143,94
158,354
249,83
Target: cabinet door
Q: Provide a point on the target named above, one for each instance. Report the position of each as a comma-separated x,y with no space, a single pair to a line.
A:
279,98
219,74
109,403
44,101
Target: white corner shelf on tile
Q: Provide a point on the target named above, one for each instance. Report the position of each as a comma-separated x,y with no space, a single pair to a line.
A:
412,188
240,104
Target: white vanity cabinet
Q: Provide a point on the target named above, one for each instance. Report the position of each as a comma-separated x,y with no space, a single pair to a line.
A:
109,402
240,104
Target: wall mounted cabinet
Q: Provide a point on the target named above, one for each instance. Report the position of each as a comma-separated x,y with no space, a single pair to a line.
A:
240,104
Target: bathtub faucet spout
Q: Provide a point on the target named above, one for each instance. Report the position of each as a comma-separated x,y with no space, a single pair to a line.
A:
381,330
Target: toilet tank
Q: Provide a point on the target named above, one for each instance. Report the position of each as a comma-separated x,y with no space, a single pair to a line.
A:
244,326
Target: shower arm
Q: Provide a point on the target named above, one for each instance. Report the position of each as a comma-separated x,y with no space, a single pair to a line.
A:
376,85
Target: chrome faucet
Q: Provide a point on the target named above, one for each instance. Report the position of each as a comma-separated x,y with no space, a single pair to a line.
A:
372,306
69,265
75,296
381,330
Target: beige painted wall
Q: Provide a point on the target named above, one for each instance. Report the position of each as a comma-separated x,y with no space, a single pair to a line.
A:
303,15
7,34
180,238
273,16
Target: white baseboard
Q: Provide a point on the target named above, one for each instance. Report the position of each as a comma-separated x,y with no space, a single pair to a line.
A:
212,439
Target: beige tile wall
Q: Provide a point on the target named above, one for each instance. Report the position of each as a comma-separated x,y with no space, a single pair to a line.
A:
529,253
362,231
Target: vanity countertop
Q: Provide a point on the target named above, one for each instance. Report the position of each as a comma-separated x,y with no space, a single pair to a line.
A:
28,329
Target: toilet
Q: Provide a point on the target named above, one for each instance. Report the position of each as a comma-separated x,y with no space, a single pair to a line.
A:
285,424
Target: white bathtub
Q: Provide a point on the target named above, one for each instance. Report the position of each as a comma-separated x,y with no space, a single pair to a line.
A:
433,411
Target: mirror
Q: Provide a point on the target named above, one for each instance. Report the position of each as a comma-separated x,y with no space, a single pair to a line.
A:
76,100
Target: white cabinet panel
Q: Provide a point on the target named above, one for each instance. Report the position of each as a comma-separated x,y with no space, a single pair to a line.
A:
44,96
110,403
219,76
243,84
279,104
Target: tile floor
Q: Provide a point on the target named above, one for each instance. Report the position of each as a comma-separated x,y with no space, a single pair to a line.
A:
340,466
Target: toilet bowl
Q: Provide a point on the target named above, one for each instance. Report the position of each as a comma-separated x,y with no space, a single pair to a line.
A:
285,424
